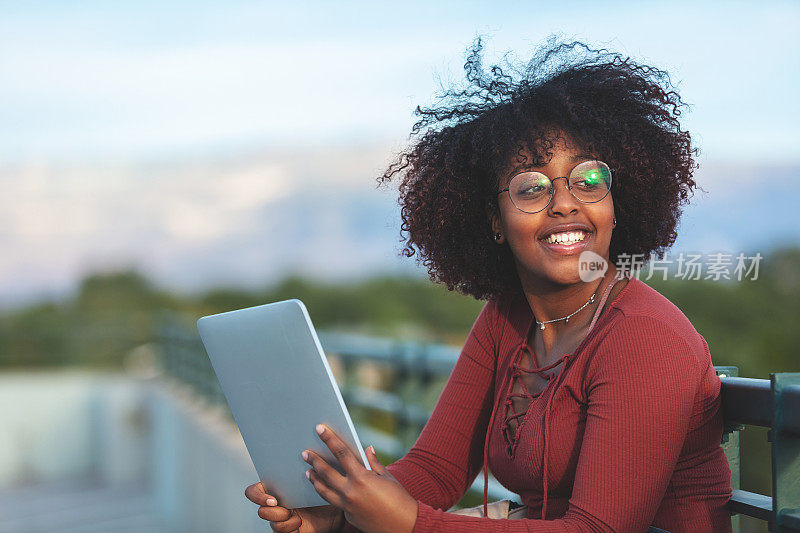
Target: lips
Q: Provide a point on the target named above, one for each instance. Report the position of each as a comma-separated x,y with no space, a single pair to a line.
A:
566,239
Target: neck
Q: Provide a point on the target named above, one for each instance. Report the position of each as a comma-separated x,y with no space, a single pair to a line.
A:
553,301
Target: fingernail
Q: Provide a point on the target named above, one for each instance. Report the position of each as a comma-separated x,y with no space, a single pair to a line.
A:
272,501
320,429
308,474
372,450
305,456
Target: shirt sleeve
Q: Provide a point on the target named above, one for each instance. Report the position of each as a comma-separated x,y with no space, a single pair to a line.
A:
641,384
448,454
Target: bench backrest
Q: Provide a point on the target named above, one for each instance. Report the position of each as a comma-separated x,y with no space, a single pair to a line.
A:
775,404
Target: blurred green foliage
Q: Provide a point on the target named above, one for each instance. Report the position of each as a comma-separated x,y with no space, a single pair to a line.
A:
113,313
752,324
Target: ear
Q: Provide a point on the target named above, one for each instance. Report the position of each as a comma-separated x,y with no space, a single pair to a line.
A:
495,222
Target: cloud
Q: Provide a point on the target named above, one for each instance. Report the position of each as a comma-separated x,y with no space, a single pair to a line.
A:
192,222
132,79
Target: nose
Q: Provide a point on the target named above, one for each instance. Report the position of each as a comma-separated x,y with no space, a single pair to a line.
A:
563,202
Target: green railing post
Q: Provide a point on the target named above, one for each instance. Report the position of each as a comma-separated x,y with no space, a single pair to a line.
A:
786,451
730,445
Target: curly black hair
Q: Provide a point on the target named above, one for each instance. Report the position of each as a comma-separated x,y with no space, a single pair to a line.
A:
608,104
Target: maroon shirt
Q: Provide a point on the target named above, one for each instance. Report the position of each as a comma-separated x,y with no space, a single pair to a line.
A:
627,435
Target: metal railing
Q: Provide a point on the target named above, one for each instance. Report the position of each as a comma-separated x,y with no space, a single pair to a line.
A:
775,404
390,387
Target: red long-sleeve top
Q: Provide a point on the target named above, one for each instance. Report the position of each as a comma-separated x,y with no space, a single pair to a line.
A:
626,436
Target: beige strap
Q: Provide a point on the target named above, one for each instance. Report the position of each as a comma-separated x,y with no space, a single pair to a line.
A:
606,292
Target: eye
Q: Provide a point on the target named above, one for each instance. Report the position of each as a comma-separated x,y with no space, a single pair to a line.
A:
587,182
529,185
590,175
532,188
590,181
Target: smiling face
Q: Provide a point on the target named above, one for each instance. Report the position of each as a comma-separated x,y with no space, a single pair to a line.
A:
546,245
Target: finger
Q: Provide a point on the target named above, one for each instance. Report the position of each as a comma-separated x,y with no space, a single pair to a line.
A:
374,462
274,514
256,494
328,494
287,526
340,450
325,472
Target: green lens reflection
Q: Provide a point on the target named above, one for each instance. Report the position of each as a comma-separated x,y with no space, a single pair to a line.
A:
590,181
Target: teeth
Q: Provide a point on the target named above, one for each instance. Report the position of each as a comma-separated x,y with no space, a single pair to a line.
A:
568,237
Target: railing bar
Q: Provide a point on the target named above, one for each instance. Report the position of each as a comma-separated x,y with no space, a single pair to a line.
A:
751,504
789,519
747,401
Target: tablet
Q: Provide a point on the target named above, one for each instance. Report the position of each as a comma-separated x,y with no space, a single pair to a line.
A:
278,384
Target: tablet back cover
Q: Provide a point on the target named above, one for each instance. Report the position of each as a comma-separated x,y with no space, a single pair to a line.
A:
278,385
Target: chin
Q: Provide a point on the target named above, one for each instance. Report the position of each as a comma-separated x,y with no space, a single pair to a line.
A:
564,271
568,279
564,276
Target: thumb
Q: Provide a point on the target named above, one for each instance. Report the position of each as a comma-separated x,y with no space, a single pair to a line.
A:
374,463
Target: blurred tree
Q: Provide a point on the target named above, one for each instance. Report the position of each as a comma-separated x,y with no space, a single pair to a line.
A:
749,324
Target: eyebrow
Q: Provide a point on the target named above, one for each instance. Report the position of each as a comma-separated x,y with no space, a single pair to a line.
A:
577,158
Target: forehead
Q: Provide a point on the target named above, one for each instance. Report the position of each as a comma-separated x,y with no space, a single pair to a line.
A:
562,152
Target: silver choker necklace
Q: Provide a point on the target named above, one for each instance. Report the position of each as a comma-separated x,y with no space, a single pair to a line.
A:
566,318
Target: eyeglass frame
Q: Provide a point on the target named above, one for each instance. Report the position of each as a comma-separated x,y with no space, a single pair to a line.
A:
553,187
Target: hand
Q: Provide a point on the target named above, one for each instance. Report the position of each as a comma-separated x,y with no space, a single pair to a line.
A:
323,519
372,500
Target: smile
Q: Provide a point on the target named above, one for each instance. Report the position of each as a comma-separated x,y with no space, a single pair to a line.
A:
567,237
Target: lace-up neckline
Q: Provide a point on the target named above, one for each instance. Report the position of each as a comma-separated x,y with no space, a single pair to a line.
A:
515,373
515,419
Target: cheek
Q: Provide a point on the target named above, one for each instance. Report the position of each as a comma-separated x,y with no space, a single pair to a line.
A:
604,216
606,230
519,226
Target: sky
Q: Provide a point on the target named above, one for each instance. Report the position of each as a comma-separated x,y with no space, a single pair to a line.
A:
211,142
132,79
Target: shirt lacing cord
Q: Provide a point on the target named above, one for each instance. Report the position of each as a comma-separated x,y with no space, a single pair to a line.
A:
527,394
544,433
515,373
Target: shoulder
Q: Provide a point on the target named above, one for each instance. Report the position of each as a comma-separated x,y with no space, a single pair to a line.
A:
504,316
641,299
647,329
498,328
643,308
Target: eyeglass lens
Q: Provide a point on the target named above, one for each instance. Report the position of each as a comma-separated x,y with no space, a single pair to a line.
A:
589,182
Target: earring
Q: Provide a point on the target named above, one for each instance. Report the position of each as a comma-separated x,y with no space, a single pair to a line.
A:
497,237
614,222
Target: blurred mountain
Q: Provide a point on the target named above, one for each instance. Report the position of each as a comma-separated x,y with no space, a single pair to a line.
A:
238,220
742,208
248,219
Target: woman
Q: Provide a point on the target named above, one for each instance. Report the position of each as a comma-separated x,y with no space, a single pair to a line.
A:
584,391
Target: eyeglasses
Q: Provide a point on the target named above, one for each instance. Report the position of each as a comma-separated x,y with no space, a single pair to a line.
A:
531,192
